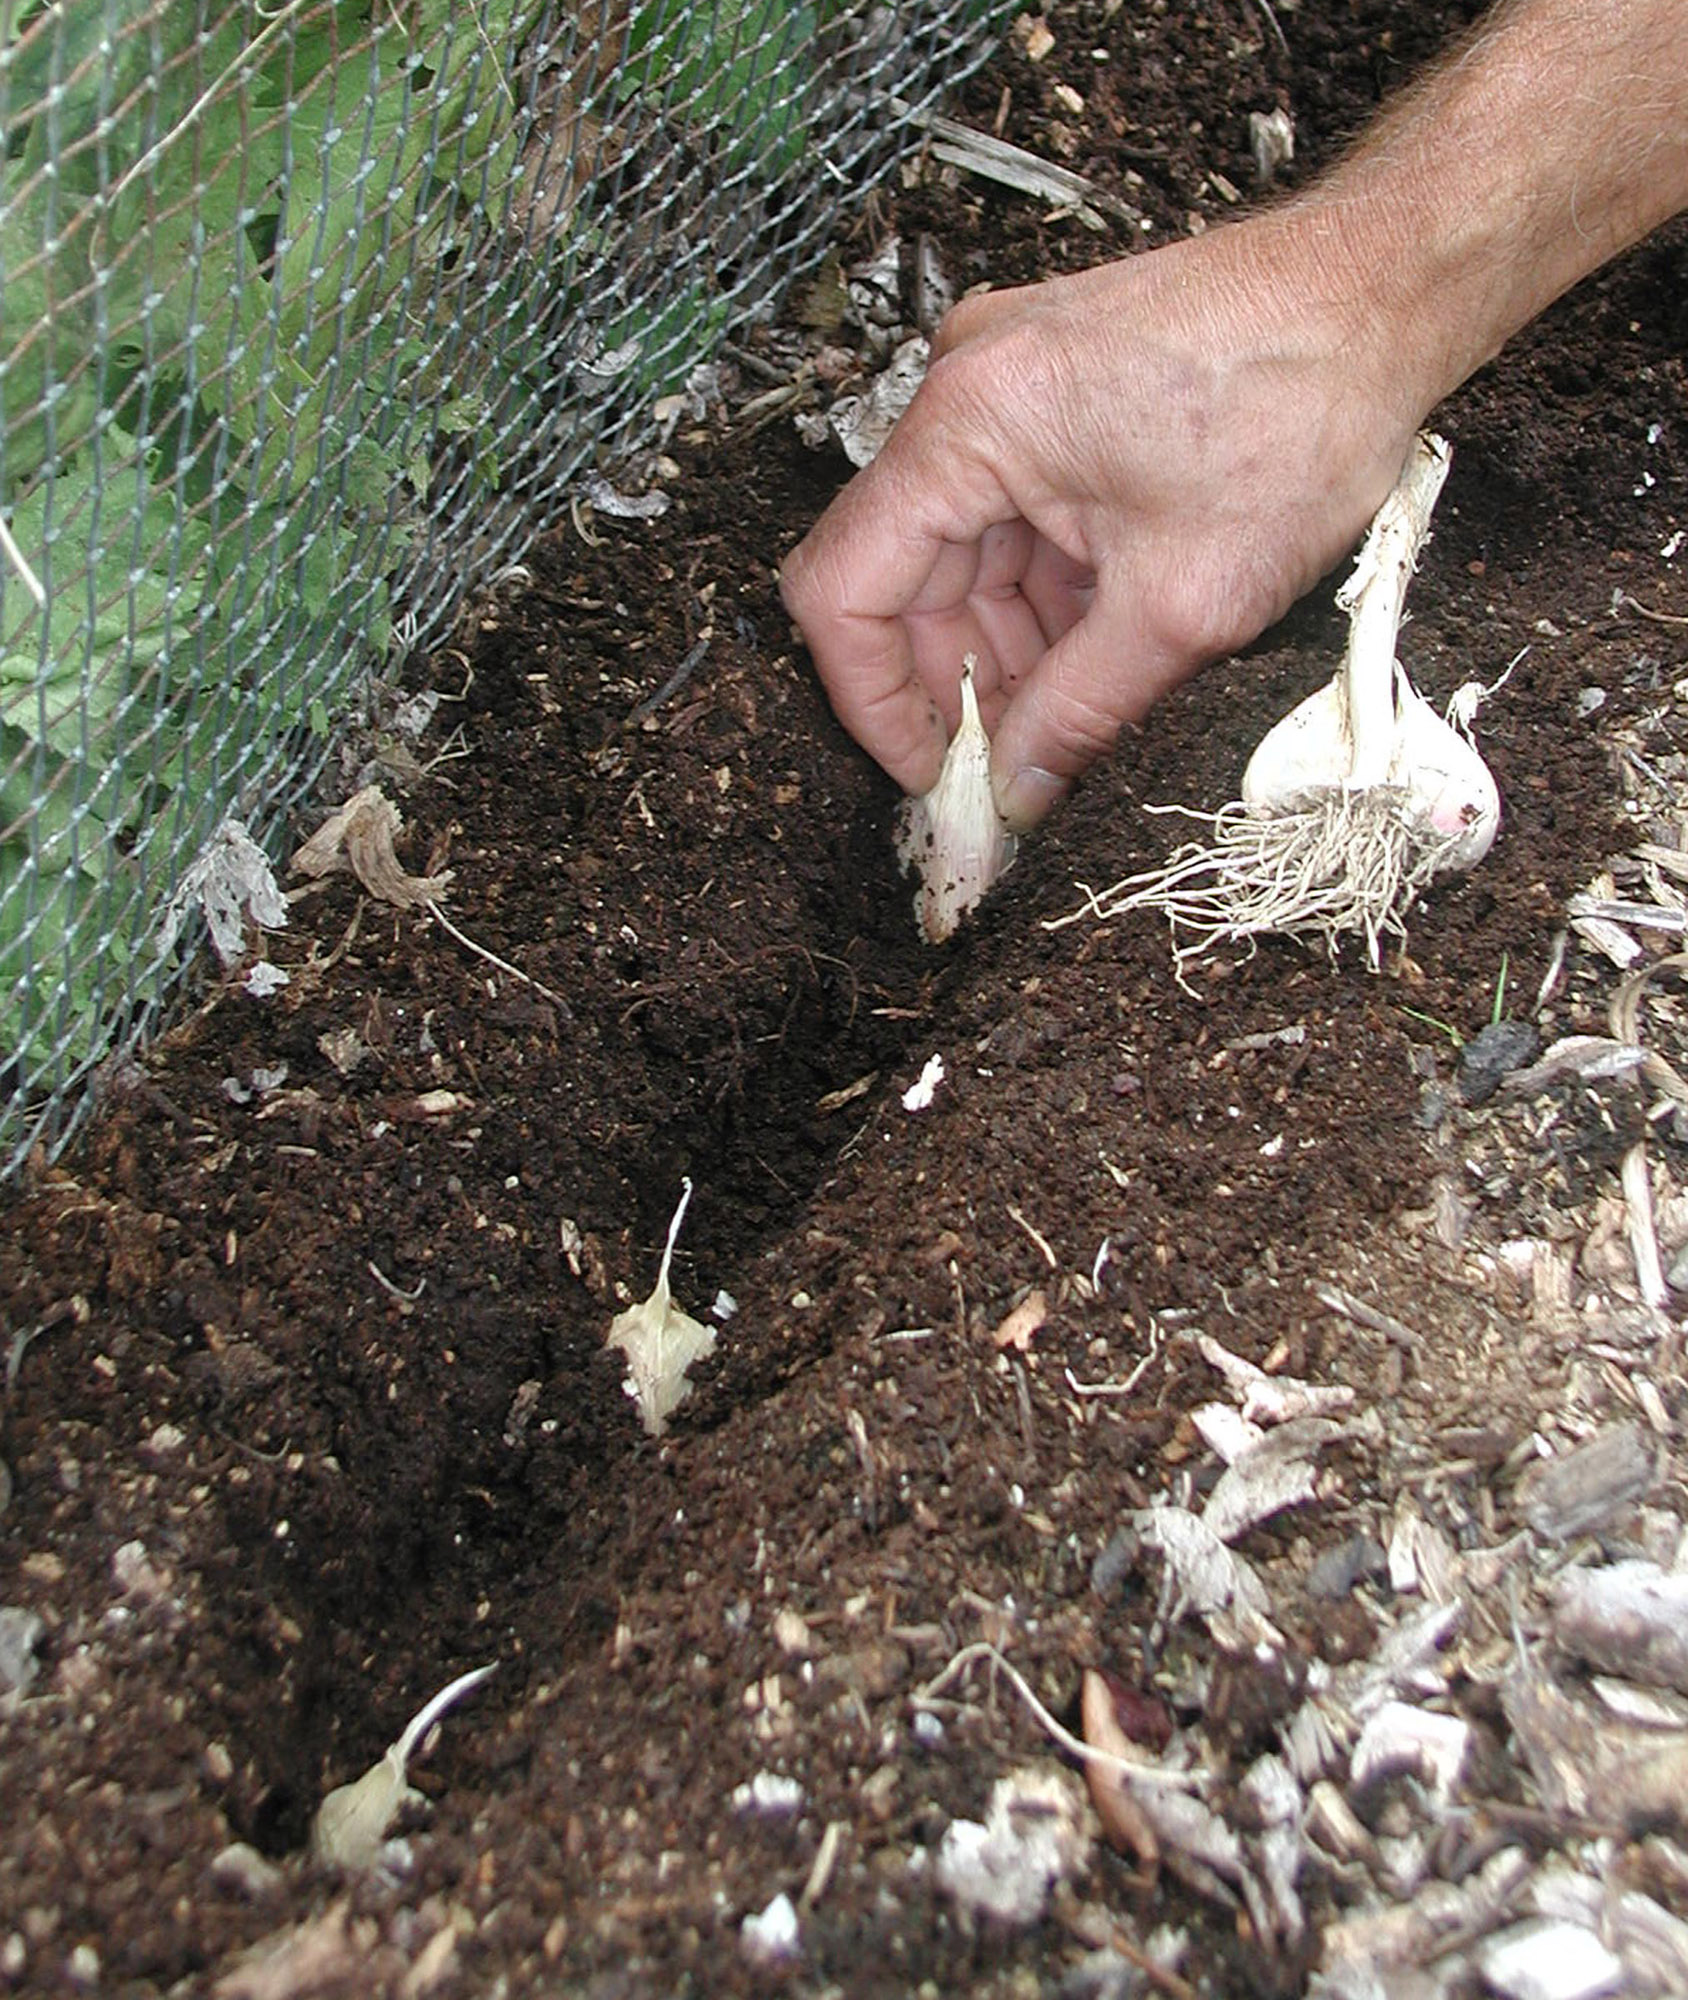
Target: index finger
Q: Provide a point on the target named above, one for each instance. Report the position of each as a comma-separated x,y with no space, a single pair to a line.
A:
896,548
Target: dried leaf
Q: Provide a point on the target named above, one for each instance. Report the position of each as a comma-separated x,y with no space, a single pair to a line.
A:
861,424
231,880
1123,1819
661,1342
361,836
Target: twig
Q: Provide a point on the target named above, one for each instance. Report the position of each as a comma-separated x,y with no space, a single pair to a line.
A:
1361,1314
205,98
1013,167
1658,617
674,683
856,1425
405,1299
1265,7
1110,1388
1161,1977
1624,1014
1049,1256
1075,1746
1643,1238
492,958
820,1870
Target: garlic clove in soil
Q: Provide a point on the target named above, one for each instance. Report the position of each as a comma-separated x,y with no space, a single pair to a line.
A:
953,835
660,1341
353,1821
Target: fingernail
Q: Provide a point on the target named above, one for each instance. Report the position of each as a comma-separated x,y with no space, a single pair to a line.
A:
1029,795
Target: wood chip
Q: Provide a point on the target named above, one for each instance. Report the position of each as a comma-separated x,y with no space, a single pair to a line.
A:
1563,1498
1019,1325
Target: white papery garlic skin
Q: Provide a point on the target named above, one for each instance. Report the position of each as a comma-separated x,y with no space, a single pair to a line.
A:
953,835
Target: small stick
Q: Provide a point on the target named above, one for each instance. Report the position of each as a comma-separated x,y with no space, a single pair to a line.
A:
856,1425
20,562
1658,617
1042,1243
405,1299
1075,1746
1361,1314
492,958
674,683
1161,1977
1110,1388
820,1871
1643,1238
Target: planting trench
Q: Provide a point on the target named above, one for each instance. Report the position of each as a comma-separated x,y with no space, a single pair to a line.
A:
314,1411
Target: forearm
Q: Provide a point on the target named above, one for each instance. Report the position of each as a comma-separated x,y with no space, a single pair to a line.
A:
1555,137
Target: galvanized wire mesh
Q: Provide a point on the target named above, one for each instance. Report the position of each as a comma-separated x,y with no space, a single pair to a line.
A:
310,312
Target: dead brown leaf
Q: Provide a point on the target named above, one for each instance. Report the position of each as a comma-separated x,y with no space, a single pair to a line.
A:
361,835
1123,1818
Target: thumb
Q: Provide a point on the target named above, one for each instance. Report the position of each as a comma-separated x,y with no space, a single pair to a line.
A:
1068,712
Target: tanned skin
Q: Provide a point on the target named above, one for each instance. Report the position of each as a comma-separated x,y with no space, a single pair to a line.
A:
1110,479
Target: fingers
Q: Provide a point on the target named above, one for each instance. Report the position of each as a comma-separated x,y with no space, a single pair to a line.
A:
865,660
1104,672
916,564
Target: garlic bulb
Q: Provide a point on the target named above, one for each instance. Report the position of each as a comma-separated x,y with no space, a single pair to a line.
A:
953,834
1368,728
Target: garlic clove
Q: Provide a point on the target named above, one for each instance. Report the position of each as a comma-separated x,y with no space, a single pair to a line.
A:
353,1820
1452,789
1303,755
661,1341
953,835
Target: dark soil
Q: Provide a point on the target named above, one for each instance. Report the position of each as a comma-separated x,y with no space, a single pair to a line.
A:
335,1359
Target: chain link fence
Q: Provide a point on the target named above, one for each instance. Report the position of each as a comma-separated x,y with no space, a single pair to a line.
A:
310,312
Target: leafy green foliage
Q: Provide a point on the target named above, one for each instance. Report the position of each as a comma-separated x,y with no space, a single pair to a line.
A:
261,308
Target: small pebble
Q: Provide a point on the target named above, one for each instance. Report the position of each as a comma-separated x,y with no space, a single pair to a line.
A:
246,1871
1487,1058
1114,1563
770,1794
1335,1573
20,1634
771,1936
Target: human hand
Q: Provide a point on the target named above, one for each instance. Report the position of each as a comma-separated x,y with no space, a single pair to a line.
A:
1104,482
